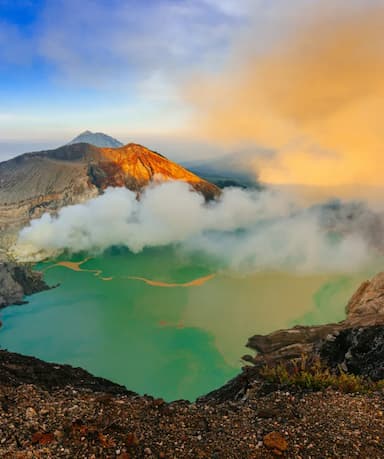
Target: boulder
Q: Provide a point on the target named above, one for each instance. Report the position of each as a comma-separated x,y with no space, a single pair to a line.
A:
357,350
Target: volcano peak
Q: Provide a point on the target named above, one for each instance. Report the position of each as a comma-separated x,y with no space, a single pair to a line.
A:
98,139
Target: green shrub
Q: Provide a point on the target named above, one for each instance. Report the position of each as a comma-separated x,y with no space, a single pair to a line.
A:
313,374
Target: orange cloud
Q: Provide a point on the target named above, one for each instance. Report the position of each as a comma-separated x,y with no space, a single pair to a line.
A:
316,97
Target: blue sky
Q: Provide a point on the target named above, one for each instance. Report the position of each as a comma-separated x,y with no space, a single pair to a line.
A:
111,65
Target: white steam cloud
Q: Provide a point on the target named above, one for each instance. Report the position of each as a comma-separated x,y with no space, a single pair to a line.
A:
245,230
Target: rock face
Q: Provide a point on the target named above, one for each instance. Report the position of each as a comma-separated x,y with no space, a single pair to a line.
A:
16,281
35,183
357,350
287,344
368,299
365,309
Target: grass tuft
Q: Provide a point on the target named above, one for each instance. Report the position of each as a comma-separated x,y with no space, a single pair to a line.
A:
313,374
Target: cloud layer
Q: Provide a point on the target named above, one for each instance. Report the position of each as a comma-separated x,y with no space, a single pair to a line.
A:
244,231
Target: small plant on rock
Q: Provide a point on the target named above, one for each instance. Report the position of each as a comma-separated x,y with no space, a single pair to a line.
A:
313,374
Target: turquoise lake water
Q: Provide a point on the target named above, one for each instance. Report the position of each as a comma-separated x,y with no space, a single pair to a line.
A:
171,342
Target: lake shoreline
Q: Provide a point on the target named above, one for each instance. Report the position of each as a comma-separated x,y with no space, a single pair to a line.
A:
18,281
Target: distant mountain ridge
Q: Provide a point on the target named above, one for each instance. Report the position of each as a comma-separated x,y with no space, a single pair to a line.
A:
234,169
98,139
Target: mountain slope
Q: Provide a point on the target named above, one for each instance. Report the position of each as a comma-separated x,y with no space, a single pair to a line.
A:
45,181
98,139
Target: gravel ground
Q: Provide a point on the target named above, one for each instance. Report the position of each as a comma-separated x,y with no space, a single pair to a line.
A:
69,423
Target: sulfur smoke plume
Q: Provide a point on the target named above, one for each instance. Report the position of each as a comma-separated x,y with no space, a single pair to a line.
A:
246,231
315,96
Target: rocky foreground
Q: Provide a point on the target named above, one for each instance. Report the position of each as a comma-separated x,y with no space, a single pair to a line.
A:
281,406
68,421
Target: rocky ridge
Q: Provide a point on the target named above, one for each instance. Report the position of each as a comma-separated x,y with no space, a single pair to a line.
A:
35,183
